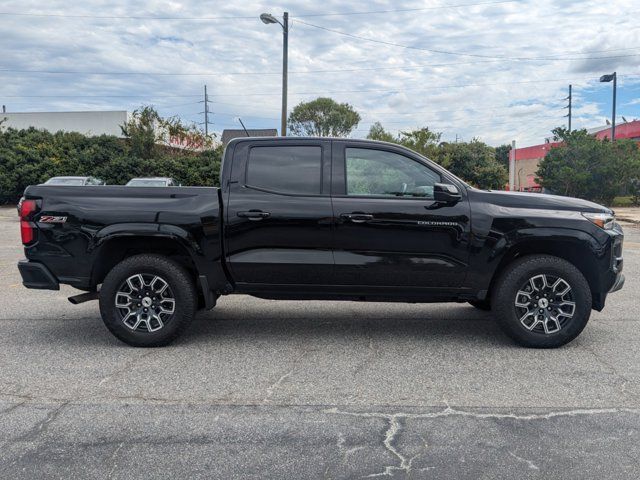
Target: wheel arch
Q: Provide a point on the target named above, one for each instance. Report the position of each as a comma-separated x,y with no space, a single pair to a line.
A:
114,247
578,248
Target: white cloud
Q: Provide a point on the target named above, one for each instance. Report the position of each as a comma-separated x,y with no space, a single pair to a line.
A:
495,99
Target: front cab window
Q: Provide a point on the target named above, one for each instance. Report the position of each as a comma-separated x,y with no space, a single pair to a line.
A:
376,173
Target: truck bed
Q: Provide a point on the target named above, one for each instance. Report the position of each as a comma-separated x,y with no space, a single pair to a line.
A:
95,225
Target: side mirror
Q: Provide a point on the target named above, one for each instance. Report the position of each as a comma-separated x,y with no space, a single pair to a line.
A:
446,193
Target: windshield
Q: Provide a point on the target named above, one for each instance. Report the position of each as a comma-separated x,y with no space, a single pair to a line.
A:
64,181
146,182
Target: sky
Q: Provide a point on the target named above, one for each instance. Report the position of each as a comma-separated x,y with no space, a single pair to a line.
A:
495,70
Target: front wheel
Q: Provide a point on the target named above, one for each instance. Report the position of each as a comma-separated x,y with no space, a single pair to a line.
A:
542,301
147,300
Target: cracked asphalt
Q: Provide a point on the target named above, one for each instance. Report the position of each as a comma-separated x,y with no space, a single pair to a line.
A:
276,389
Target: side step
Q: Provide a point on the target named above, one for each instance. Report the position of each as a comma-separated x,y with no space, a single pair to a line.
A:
84,297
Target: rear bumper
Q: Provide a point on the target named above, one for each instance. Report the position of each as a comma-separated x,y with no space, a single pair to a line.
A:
36,275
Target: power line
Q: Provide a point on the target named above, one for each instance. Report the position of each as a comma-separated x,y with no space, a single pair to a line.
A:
443,52
245,94
244,17
216,74
124,17
403,10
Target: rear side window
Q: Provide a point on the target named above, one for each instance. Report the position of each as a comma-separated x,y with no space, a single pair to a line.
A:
294,169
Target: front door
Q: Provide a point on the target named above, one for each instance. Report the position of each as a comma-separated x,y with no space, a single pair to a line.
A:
389,231
278,213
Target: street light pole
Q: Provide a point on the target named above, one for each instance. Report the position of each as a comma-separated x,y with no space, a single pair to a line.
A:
268,18
607,78
285,75
613,114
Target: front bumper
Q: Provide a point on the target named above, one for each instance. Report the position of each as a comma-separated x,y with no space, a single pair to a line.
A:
36,275
618,284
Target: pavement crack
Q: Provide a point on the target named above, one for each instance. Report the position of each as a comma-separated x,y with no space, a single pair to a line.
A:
124,368
113,459
274,386
42,426
395,426
529,463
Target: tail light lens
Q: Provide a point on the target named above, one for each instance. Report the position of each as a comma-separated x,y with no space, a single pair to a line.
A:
27,228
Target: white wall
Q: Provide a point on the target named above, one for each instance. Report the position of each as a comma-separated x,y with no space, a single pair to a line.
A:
88,123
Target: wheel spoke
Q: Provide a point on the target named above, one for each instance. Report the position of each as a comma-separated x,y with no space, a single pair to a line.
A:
159,290
551,325
167,305
119,303
572,309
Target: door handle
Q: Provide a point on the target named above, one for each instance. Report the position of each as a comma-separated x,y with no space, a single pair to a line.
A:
357,217
254,215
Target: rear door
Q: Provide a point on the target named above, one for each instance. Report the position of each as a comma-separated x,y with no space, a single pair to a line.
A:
389,231
278,211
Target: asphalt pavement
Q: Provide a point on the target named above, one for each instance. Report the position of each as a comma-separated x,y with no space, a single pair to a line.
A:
278,389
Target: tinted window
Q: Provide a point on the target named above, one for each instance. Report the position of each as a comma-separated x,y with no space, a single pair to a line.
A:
293,169
379,173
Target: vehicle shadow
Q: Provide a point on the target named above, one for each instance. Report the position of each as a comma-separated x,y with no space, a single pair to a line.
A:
458,323
294,322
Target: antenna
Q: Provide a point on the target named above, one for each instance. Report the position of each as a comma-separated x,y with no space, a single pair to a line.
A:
245,128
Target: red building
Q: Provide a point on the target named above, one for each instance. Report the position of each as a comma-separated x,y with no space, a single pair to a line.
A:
527,159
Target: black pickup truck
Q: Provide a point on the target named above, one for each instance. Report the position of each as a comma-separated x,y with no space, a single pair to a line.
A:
318,218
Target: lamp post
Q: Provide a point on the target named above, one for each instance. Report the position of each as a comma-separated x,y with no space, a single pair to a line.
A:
266,19
606,79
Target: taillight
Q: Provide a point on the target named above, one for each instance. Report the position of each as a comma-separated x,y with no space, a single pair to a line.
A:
27,228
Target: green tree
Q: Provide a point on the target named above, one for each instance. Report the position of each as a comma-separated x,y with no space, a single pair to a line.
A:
147,132
474,162
31,156
502,155
583,166
323,117
377,132
423,141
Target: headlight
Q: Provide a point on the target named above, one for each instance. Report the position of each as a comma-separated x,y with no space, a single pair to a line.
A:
603,220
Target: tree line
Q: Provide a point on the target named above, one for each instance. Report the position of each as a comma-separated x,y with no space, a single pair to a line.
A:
29,157
581,166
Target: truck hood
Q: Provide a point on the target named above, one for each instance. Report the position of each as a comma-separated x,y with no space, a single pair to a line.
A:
539,201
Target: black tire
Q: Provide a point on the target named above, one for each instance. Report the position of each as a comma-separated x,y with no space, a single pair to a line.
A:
541,329
150,332
484,305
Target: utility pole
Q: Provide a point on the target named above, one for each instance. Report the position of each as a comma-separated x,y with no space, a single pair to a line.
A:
570,98
206,112
512,166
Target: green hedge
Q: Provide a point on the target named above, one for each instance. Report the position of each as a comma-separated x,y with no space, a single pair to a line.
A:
29,157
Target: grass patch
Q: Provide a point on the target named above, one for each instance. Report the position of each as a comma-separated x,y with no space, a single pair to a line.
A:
626,201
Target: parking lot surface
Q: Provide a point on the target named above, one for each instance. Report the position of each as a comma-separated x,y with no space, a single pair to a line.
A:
278,389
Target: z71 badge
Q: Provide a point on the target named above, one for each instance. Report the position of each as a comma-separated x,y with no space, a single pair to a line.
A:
52,219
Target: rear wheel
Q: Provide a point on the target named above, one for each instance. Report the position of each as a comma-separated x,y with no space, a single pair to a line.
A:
147,300
542,301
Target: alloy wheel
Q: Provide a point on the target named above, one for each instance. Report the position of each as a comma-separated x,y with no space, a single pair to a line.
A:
145,302
545,304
